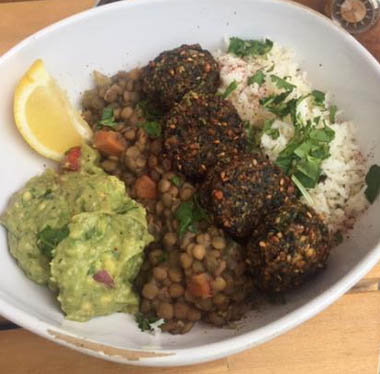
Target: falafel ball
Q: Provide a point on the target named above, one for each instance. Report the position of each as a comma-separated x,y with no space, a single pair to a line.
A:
240,194
288,247
172,74
202,130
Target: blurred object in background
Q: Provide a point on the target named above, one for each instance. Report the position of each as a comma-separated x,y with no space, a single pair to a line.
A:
104,2
355,16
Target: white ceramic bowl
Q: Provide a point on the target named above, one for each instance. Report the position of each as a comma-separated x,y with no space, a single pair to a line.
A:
121,35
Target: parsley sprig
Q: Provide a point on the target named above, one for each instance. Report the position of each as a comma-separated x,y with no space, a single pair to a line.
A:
108,117
189,214
243,48
49,238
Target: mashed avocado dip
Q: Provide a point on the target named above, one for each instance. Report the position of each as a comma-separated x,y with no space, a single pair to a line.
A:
82,234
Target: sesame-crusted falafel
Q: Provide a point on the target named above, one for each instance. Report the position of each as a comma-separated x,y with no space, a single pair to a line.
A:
287,248
241,193
173,73
201,131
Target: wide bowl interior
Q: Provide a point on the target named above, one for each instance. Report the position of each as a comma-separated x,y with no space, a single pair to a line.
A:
130,33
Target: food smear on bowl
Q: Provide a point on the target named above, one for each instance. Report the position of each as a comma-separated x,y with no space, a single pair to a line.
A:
215,178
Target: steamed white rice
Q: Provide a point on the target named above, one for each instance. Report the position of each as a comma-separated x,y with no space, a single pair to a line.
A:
340,197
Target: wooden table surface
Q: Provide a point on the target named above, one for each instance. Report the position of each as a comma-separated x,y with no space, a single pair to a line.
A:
345,338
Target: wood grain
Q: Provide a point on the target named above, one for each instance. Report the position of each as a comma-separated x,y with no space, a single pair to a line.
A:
21,19
343,339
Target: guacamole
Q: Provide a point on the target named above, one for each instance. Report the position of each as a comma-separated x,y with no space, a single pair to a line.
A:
82,234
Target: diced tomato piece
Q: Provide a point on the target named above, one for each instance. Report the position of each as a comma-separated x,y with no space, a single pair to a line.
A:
146,188
199,286
110,143
71,160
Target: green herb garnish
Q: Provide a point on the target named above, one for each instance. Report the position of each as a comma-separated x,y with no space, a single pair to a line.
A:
49,238
258,77
373,183
144,323
188,214
149,112
302,189
163,258
177,180
277,104
267,129
243,48
319,97
152,128
282,83
108,118
304,154
333,110
253,136
231,87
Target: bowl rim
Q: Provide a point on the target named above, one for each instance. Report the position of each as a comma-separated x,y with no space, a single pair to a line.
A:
229,346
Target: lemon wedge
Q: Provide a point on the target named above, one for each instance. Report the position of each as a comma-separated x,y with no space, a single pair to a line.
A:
44,115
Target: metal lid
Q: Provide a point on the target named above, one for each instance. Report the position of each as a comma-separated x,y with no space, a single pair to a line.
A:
355,16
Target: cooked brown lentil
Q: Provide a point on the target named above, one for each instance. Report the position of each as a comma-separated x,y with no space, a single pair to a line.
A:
184,279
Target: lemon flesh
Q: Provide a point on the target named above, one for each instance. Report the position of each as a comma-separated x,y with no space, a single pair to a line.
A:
44,115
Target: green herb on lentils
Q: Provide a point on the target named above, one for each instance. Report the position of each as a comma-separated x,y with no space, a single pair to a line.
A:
149,112
177,180
188,214
152,128
108,118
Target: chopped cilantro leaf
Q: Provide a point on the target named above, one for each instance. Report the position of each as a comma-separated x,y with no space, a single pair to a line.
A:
149,112
258,77
108,118
253,136
325,134
231,87
303,155
163,257
302,189
152,128
271,132
373,183
319,97
188,214
243,48
49,238
177,180
333,110
282,83
144,322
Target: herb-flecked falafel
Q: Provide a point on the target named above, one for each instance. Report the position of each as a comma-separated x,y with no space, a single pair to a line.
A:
173,73
241,193
201,131
287,248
